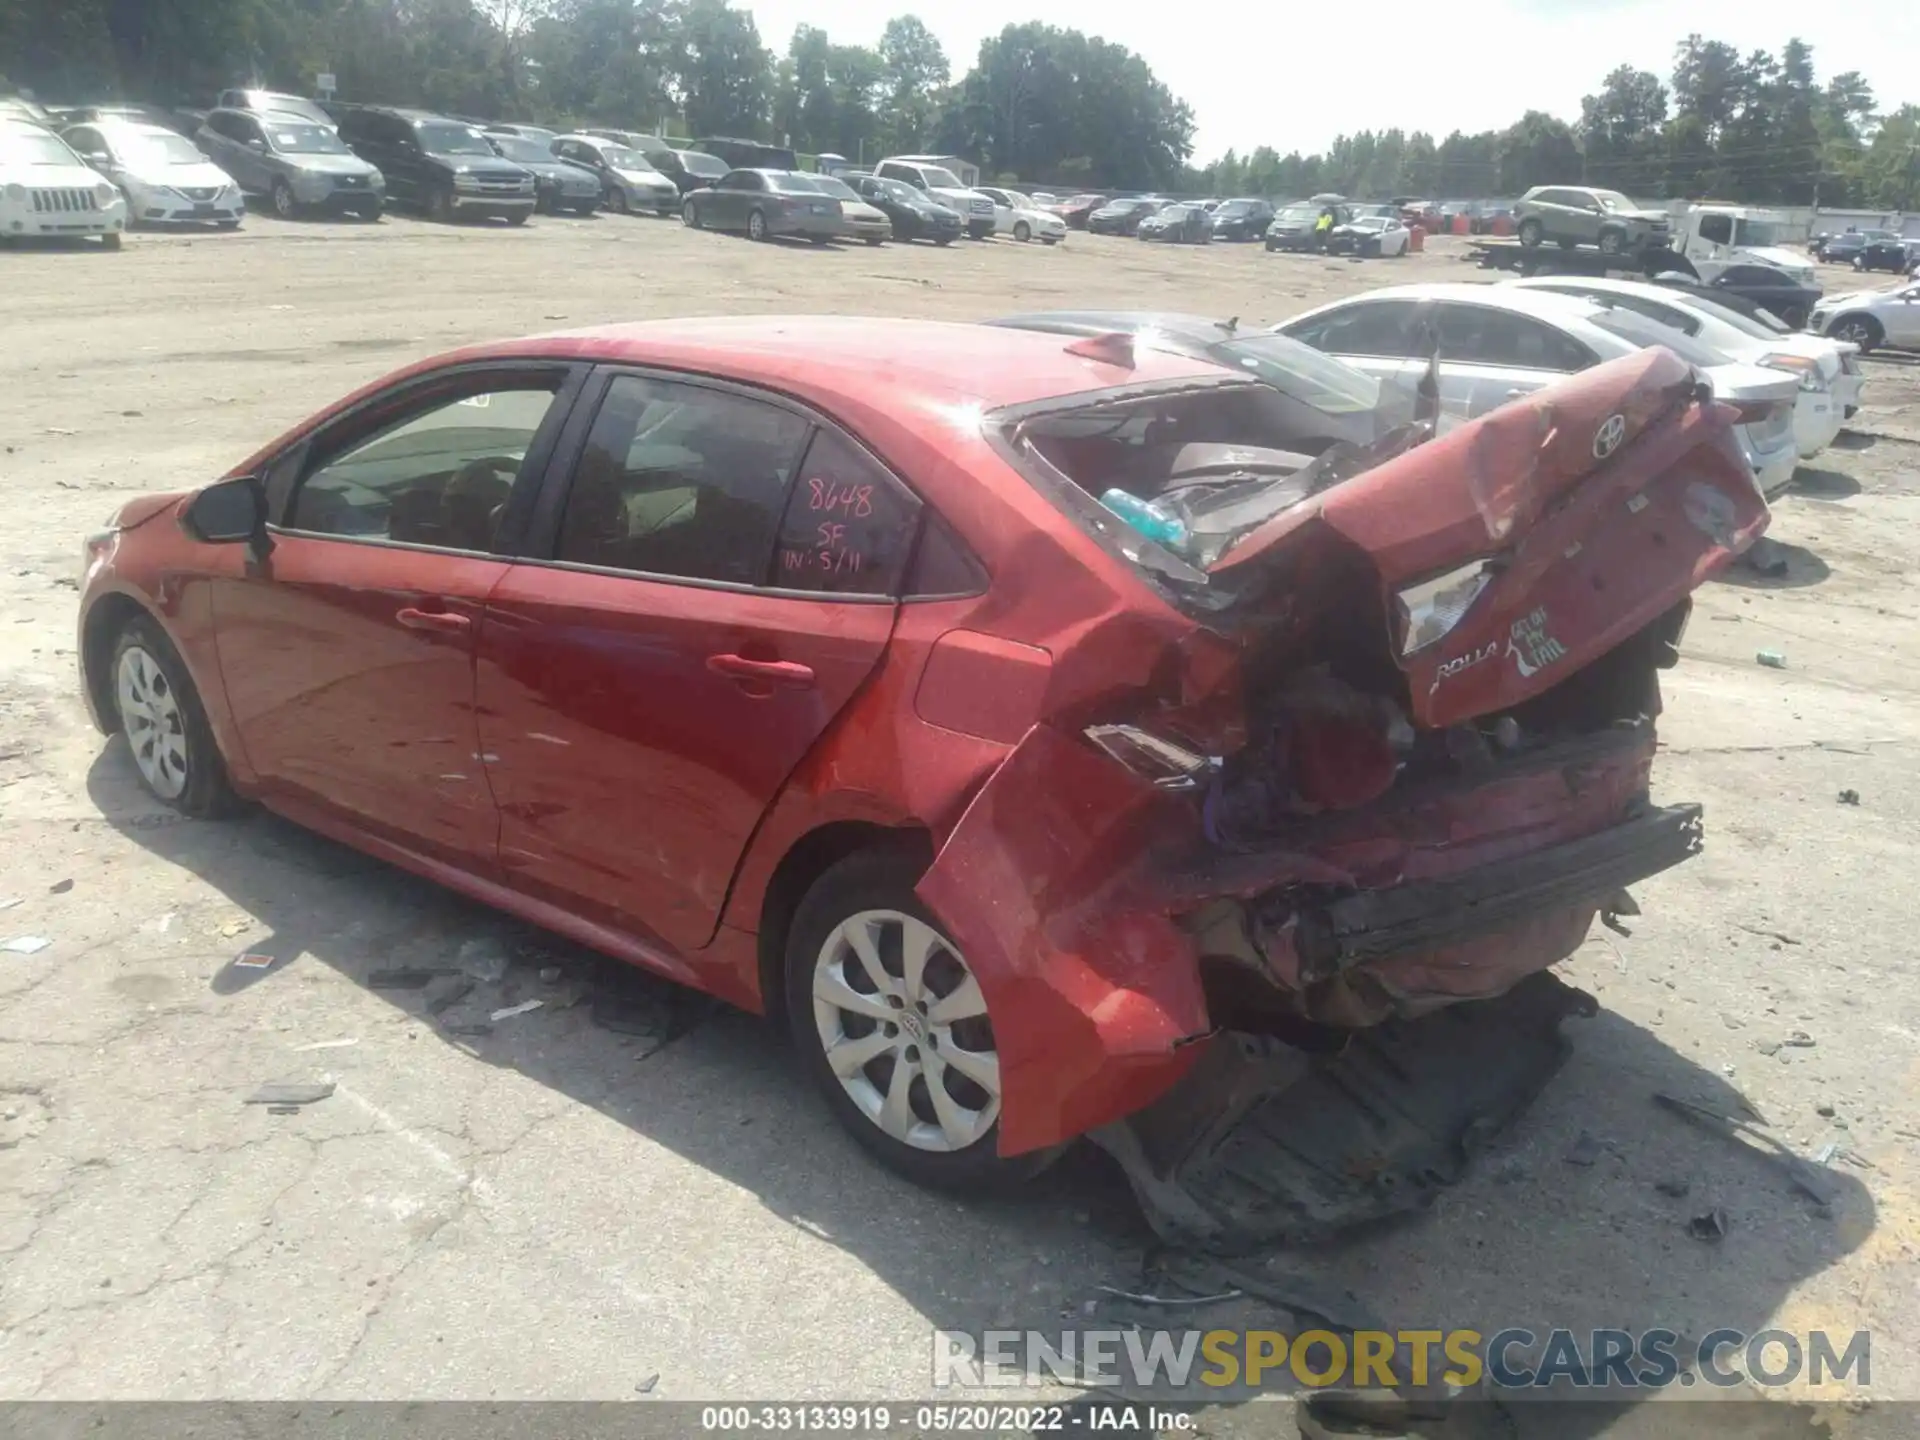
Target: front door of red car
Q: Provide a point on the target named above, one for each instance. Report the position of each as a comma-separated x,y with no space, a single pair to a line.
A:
719,585
348,656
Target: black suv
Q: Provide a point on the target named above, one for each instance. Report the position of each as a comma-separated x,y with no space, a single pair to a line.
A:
439,165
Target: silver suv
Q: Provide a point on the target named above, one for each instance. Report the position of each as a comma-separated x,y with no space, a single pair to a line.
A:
1574,215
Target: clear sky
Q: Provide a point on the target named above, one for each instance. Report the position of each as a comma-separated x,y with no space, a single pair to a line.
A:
1295,75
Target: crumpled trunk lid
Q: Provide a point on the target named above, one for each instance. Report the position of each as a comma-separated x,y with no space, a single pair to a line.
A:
1598,504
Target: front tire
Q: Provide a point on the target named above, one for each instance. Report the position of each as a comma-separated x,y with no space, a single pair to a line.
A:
1532,232
617,202
519,217
165,724
440,206
1023,232
893,1030
110,241
284,205
690,215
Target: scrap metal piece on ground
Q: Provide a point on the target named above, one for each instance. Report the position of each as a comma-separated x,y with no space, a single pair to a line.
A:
291,1094
1265,1144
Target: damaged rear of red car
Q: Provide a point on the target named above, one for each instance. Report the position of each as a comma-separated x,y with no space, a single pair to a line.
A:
1394,757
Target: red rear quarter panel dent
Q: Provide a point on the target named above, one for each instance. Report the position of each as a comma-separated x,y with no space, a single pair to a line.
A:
1091,995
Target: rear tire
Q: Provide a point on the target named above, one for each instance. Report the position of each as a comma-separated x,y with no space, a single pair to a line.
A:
617,202
756,225
690,215
839,1002
945,240
1612,242
1861,330
165,725
875,240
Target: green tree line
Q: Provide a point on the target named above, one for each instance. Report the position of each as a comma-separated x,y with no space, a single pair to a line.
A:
1757,128
1040,103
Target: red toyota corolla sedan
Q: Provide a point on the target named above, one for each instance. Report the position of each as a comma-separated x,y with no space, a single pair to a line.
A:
799,660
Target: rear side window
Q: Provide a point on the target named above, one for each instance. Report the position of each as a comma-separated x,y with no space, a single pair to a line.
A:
849,525
1482,335
681,481
1757,276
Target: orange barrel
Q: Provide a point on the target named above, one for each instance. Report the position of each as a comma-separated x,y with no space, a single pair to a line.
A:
1503,225
1462,225
1417,239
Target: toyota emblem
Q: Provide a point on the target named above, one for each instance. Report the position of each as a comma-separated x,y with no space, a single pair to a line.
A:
1607,438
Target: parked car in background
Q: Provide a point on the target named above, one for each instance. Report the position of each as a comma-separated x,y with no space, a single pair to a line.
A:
439,165
1123,217
1871,319
1760,287
1090,736
1245,219
860,220
629,183
913,214
765,204
1023,217
648,145
688,169
1184,222
47,191
559,185
69,115
1840,249
1295,227
941,184
748,154
1570,215
1327,401
1889,253
1076,209
1827,391
294,164
275,102
1373,235
164,176
1499,343
19,109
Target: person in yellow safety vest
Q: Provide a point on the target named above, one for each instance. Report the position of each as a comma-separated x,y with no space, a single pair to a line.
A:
1323,229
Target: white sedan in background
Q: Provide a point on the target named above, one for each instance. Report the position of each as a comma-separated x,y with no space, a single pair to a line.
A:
166,180
1498,343
1018,215
1827,394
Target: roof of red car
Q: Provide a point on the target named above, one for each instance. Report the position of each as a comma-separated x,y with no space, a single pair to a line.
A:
935,360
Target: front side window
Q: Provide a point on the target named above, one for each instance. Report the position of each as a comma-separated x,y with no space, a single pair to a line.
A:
849,525
1378,328
440,476
681,481
1482,335
441,138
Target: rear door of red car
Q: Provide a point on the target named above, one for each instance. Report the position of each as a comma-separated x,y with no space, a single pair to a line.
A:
348,656
709,578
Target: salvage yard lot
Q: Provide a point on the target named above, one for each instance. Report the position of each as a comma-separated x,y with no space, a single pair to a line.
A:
563,1208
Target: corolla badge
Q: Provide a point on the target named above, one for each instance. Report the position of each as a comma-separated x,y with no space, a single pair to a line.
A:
1607,438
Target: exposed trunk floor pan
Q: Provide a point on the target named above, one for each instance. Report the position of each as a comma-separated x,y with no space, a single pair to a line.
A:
1264,1144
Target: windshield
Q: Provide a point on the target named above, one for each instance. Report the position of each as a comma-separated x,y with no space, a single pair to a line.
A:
1236,207
945,179
440,138
1612,200
527,152
299,138
621,158
34,147
1303,372
1757,322
160,149
1300,213
904,193
1756,232
695,163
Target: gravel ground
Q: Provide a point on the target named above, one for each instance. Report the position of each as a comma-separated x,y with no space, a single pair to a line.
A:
558,1210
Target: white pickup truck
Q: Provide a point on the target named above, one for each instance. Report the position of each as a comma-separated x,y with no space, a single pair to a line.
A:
925,174
1716,237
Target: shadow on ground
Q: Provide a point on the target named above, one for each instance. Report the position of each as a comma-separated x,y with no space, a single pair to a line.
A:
1776,565
1824,484
1540,1234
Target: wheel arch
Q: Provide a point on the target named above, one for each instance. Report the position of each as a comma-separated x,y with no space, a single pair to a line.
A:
806,860
105,619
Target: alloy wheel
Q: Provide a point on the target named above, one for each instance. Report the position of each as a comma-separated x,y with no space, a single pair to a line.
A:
283,204
903,1027
150,716
756,226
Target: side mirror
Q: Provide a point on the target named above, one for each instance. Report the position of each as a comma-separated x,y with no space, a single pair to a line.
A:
256,143
233,512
